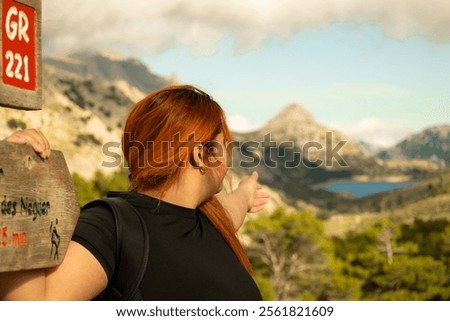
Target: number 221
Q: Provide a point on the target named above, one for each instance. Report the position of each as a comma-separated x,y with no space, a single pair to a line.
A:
11,57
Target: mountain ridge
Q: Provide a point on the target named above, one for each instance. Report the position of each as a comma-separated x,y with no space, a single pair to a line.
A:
110,67
431,143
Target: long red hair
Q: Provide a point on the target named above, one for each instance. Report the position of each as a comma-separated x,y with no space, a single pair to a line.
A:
159,135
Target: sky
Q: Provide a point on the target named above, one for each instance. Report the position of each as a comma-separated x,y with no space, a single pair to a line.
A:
376,70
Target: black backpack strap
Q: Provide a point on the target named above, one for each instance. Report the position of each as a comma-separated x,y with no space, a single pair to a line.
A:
132,243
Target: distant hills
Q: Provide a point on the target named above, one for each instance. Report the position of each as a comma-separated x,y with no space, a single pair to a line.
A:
87,97
432,144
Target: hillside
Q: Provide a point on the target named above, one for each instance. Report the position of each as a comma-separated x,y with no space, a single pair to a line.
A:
432,144
86,98
107,85
427,200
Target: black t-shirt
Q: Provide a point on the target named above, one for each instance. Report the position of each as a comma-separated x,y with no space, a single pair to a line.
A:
189,259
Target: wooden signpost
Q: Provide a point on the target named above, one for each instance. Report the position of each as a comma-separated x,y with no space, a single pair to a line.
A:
21,61
38,208
38,204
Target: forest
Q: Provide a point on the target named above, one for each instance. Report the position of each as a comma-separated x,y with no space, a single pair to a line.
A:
295,259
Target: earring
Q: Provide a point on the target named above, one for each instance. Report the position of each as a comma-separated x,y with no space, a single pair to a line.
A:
202,170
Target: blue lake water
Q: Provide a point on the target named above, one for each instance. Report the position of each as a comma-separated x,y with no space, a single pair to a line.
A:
361,189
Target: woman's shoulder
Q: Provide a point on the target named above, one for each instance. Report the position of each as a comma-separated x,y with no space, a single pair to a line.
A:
96,231
106,205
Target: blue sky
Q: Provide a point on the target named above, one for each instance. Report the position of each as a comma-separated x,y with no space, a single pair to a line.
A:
376,72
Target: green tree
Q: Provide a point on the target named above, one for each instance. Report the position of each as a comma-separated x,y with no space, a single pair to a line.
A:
85,190
395,262
293,259
284,245
88,190
115,182
411,278
431,237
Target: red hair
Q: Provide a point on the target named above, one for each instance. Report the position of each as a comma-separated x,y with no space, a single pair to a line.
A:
159,135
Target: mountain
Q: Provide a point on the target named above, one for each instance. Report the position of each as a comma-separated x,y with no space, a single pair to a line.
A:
86,98
294,153
432,144
294,130
106,84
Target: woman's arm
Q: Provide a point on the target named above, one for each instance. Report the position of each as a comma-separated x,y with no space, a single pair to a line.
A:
247,197
79,277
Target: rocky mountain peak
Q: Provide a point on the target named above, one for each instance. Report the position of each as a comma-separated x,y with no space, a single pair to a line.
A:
294,123
293,114
109,67
441,131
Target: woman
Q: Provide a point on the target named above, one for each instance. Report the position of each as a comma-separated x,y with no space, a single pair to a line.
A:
177,145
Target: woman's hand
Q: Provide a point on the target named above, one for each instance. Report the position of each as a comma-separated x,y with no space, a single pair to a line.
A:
32,137
247,197
256,198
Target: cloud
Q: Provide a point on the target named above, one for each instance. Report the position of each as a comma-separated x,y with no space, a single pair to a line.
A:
375,131
142,26
241,124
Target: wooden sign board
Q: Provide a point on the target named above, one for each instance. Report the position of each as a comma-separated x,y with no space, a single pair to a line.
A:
38,208
21,60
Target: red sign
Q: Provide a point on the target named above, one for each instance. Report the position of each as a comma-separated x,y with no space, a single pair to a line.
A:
19,45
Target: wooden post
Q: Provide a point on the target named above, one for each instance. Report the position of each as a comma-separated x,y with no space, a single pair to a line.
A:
21,61
38,204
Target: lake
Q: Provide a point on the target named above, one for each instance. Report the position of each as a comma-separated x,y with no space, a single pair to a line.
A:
361,189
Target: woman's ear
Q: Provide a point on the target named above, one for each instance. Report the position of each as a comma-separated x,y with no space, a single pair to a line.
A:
197,156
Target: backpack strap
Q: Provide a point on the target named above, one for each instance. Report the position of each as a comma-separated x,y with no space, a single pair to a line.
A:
132,250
